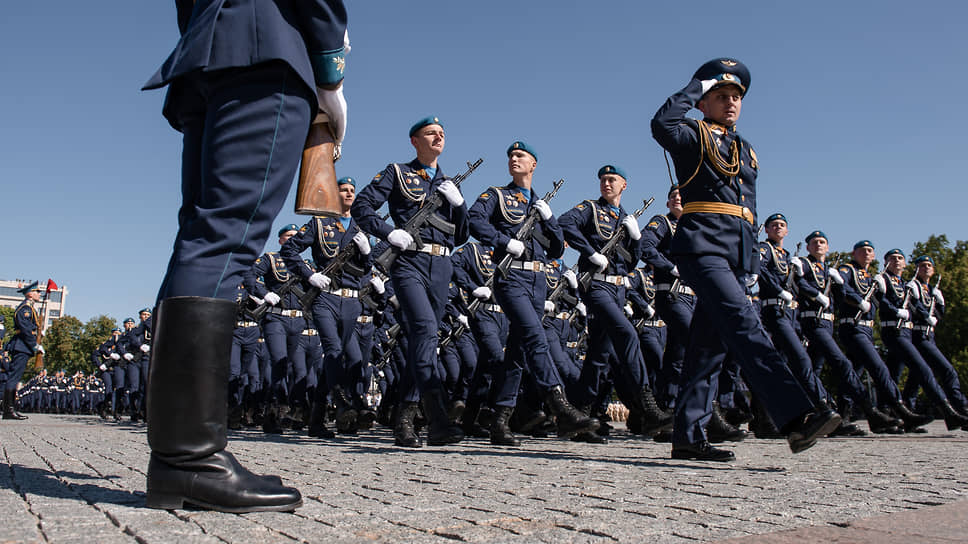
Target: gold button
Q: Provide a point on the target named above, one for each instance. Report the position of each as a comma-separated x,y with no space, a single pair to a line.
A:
742,198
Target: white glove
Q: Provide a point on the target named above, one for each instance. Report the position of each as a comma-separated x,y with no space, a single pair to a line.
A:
797,265
786,296
128,357
580,308
40,349
549,307
362,241
675,271
628,310
632,226
399,238
915,289
599,260
272,298
377,284
145,348
103,367
835,276
938,296
320,280
864,306
544,210
451,193
515,247
707,84
932,320
880,283
752,279
824,301
115,356
649,311
483,292
463,320
332,108
571,278
903,314
346,42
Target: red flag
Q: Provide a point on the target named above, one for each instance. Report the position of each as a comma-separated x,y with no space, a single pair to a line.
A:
51,286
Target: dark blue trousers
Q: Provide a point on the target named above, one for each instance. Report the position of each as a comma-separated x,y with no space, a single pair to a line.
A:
944,371
335,319
15,371
859,342
243,364
824,349
282,336
677,314
779,324
901,350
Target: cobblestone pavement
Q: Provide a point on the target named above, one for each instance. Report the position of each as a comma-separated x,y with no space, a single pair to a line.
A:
71,479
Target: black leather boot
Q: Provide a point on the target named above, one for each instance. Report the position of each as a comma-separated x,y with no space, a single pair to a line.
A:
9,406
803,432
317,420
187,405
403,431
952,419
571,421
440,430
654,419
469,424
345,412
720,430
762,424
911,419
878,421
500,432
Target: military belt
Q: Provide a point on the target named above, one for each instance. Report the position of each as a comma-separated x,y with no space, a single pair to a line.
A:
246,324
530,266
571,345
309,332
779,302
903,325
614,280
563,315
286,313
493,308
681,289
437,250
343,292
721,208
819,315
923,328
869,323
365,319
654,323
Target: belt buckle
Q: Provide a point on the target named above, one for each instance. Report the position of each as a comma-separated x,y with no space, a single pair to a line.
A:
535,266
436,250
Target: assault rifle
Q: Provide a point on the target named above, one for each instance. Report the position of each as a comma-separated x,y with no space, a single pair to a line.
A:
613,245
867,297
334,268
934,300
426,214
526,232
393,337
258,311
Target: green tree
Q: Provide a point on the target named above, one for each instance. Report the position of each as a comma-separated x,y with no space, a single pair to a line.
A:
62,342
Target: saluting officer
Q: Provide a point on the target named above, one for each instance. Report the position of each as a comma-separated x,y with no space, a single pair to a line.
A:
420,275
715,247
22,346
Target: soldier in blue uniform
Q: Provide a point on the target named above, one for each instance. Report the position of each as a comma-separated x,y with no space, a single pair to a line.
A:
816,289
896,329
246,79
927,307
587,228
715,250
420,276
22,346
337,306
244,379
496,217
856,332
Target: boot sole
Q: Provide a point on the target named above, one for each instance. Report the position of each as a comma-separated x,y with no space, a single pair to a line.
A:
164,501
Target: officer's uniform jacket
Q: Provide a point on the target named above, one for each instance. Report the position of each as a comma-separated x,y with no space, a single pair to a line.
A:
654,244
589,226
857,283
327,237
497,215
217,34
732,237
272,269
26,329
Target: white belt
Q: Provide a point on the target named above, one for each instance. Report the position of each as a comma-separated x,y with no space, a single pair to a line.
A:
819,315
869,323
309,332
904,324
779,302
563,315
530,266
365,319
571,344
682,289
923,328
343,292
246,324
437,250
614,280
654,323
286,313
493,308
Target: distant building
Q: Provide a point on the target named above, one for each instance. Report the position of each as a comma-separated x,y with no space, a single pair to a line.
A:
54,308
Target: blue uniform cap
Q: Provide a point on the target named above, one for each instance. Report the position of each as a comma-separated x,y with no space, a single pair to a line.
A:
287,228
612,169
35,286
116,329
129,320
432,120
144,310
816,234
523,147
864,243
776,217
726,72
924,259
894,251
346,181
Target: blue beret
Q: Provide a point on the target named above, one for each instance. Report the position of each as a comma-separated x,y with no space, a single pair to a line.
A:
116,329
129,320
34,286
725,72
816,234
346,181
924,259
894,251
611,169
287,228
776,217
864,243
143,310
523,147
432,120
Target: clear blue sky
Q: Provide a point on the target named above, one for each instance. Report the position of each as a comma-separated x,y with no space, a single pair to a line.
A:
855,112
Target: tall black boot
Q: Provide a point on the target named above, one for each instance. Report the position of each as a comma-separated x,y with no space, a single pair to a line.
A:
911,419
404,433
878,421
952,419
500,432
345,412
317,420
571,421
187,405
654,420
9,405
440,430
720,430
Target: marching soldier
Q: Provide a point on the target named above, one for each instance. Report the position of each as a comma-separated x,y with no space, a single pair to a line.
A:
715,247
22,346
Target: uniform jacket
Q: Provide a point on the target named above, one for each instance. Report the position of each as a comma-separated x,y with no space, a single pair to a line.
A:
273,272
26,329
327,237
589,226
654,245
497,215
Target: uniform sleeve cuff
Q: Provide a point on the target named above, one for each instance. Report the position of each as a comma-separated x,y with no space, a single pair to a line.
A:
328,66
